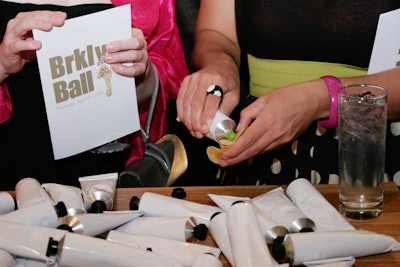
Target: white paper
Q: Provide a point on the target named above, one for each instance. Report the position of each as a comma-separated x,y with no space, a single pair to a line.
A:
81,110
386,51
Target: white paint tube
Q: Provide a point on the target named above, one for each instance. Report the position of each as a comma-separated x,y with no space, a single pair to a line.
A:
182,252
279,207
7,203
315,206
39,214
312,246
87,251
98,191
206,259
157,205
6,260
24,262
27,241
334,262
218,229
220,126
272,230
226,201
70,195
248,244
94,224
176,228
28,191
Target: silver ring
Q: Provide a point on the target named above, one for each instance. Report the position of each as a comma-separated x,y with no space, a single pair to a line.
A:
215,90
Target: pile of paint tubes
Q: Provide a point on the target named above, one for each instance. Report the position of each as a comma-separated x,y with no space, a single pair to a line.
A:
60,225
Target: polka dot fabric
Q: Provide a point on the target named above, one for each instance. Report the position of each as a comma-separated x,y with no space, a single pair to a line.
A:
314,156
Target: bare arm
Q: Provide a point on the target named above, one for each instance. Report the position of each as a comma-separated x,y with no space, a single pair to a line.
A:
273,123
216,55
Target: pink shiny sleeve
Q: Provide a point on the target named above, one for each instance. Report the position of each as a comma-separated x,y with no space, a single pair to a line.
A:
157,21
5,103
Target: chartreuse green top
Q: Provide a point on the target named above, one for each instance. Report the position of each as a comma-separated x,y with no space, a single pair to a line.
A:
267,75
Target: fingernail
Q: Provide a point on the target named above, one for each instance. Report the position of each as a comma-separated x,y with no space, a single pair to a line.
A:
110,47
204,129
199,135
108,57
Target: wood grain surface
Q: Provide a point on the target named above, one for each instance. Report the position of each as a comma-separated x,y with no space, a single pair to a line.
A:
387,223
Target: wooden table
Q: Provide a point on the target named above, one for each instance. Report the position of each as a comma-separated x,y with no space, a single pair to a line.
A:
387,223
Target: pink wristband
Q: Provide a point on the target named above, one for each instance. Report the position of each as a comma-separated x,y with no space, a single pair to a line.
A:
333,85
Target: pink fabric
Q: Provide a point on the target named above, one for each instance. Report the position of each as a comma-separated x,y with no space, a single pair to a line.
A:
5,103
157,21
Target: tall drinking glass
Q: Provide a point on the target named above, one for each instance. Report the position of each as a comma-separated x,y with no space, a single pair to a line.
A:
362,136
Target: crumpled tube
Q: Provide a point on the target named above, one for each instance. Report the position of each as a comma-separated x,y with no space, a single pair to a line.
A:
302,247
315,206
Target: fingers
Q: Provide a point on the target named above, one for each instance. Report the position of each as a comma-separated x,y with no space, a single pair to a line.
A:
190,104
196,107
250,144
25,22
128,57
136,42
130,63
18,45
269,129
254,140
19,29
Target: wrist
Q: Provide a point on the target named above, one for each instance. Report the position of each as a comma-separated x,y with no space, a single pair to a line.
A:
333,84
145,85
3,75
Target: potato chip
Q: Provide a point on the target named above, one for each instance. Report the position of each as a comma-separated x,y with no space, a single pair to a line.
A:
214,154
225,143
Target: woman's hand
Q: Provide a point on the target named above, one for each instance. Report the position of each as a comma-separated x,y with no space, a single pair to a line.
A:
128,57
195,108
277,118
18,46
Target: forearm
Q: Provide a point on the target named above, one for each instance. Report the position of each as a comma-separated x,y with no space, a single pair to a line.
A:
213,48
317,97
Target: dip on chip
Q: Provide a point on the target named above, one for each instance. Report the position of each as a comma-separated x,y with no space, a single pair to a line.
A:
214,153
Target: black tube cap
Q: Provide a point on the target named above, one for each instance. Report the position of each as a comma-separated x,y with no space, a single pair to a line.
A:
134,203
52,247
237,202
15,203
215,214
98,206
278,250
306,230
65,227
178,193
200,231
61,209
